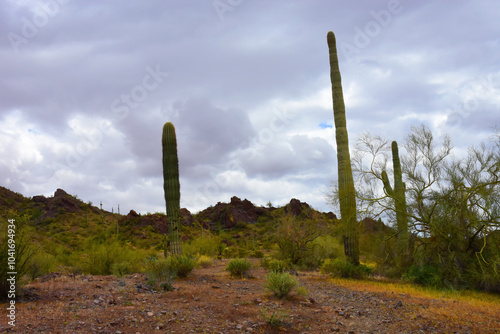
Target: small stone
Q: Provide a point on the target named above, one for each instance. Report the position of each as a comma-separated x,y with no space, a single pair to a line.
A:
150,314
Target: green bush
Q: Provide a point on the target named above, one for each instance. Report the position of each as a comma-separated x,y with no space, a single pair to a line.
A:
101,257
275,318
424,275
274,265
204,261
23,257
206,245
238,267
159,273
281,284
341,267
183,265
258,254
120,269
41,264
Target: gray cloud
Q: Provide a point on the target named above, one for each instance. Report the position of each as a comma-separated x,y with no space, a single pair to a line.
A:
247,90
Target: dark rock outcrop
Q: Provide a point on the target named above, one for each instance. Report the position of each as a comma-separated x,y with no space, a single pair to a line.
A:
296,207
228,215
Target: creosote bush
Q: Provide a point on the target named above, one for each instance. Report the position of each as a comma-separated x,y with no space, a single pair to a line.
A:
274,264
24,256
341,267
281,284
159,273
204,261
102,258
238,267
183,265
275,318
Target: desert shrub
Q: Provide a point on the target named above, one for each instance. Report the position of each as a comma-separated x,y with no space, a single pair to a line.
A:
242,252
120,269
258,254
424,275
295,238
281,284
101,257
341,267
238,267
41,264
183,265
327,247
206,245
204,261
274,264
159,273
302,291
275,318
23,257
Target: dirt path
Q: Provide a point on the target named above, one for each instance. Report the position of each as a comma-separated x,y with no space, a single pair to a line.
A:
209,301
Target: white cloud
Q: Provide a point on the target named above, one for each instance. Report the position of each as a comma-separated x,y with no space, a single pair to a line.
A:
250,95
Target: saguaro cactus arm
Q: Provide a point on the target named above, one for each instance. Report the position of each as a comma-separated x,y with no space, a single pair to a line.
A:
399,196
387,184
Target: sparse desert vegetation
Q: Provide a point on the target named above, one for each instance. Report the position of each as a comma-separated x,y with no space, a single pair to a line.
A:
115,281
234,267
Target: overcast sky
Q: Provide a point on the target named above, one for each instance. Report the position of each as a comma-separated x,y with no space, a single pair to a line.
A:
86,86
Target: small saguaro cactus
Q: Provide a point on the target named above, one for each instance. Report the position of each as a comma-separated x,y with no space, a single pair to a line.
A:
171,186
398,195
347,195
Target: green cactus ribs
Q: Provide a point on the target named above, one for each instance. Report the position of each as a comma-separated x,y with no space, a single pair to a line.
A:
171,186
399,197
347,193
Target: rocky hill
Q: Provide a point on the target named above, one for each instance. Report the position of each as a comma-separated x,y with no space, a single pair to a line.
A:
46,210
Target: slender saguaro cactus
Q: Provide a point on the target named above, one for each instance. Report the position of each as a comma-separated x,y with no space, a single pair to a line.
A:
171,186
347,195
399,197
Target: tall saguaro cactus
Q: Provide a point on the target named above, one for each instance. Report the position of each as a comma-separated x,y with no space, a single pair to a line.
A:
347,195
171,186
399,197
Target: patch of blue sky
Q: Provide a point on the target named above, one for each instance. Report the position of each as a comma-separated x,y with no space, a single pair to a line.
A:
325,125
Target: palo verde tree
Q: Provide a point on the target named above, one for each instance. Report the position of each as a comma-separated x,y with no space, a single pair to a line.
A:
347,195
171,186
452,206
